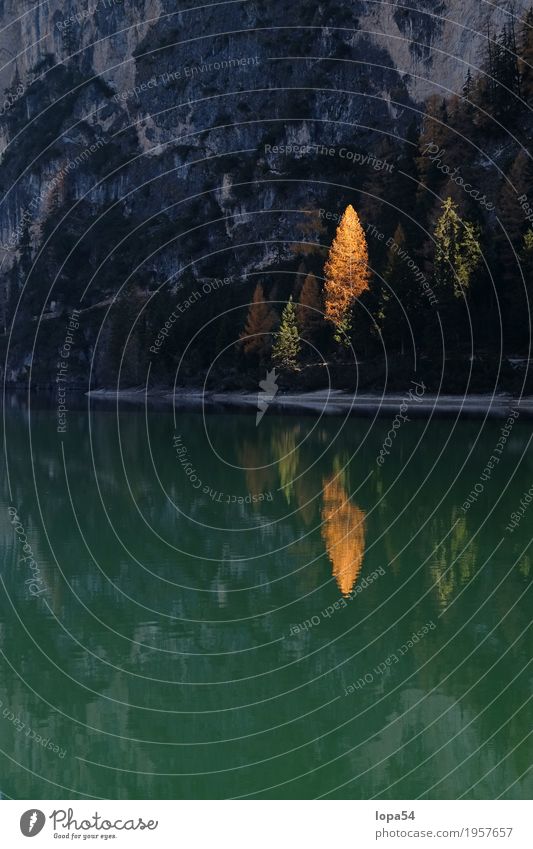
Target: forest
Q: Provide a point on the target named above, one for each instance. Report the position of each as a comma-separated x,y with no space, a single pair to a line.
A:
414,258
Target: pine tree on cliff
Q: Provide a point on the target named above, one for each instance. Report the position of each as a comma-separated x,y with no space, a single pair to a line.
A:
519,182
526,57
516,301
287,345
400,298
346,272
256,337
310,309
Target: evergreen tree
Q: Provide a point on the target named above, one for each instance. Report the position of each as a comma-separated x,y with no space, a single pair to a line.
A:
466,108
501,85
124,351
287,344
310,309
346,272
435,131
256,337
519,301
468,88
457,253
435,136
378,184
519,182
399,299
405,177
526,57
527,270
508,65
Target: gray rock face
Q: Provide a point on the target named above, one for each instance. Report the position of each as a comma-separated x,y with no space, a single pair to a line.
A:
221,125
432,42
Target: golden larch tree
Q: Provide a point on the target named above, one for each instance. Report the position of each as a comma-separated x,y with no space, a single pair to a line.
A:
346,272
256,337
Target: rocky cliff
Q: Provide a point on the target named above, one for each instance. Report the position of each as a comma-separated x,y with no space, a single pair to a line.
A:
144,146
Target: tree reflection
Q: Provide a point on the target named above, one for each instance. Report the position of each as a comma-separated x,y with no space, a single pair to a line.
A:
455,560
343,531
285,448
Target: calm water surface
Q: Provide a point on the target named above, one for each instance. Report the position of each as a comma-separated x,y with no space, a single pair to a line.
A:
224,610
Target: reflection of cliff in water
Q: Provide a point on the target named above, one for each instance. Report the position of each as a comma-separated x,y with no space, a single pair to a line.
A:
191,642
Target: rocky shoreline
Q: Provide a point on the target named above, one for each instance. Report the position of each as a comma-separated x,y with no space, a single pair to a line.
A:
335,402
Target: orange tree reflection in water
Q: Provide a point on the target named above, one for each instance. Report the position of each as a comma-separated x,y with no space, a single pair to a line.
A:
343,531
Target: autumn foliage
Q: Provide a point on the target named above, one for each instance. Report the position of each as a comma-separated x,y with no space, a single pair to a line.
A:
256,337
310,309
346,271
343,532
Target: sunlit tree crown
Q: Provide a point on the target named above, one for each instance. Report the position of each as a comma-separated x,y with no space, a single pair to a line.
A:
346,271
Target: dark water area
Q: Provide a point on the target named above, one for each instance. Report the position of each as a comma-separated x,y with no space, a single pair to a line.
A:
193,606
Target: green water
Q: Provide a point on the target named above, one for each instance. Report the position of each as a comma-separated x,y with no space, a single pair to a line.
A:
248,630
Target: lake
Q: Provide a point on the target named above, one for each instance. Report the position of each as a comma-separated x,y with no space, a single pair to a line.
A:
201,607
